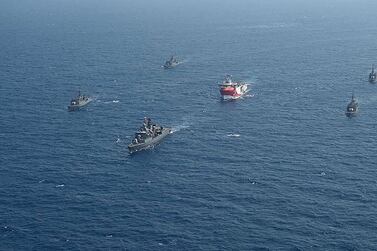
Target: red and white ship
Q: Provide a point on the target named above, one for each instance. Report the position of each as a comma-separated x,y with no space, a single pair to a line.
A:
231,90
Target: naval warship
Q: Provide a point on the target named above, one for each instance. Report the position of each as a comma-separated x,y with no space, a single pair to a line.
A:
171,63
148,136
79,102
373,75
352,107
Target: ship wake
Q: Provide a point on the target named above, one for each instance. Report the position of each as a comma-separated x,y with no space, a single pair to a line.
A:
180,127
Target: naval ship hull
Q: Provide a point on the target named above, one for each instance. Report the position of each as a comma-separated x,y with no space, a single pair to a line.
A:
372,76
352,111
351,114
150,143
72,108
171,66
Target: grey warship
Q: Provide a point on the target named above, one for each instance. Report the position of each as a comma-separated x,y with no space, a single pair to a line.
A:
171,63
78,102
148,136
373,75
352,107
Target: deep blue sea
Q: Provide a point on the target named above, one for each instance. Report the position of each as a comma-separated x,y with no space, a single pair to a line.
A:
281,169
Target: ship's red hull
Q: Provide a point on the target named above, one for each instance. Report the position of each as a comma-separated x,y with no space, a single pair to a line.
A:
233,91
228,90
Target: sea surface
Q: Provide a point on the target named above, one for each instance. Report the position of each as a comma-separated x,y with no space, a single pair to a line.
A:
281,169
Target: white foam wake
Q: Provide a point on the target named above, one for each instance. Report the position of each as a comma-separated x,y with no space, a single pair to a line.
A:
179,127
115,101
234,135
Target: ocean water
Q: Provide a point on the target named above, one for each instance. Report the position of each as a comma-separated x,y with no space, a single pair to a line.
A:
281,169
